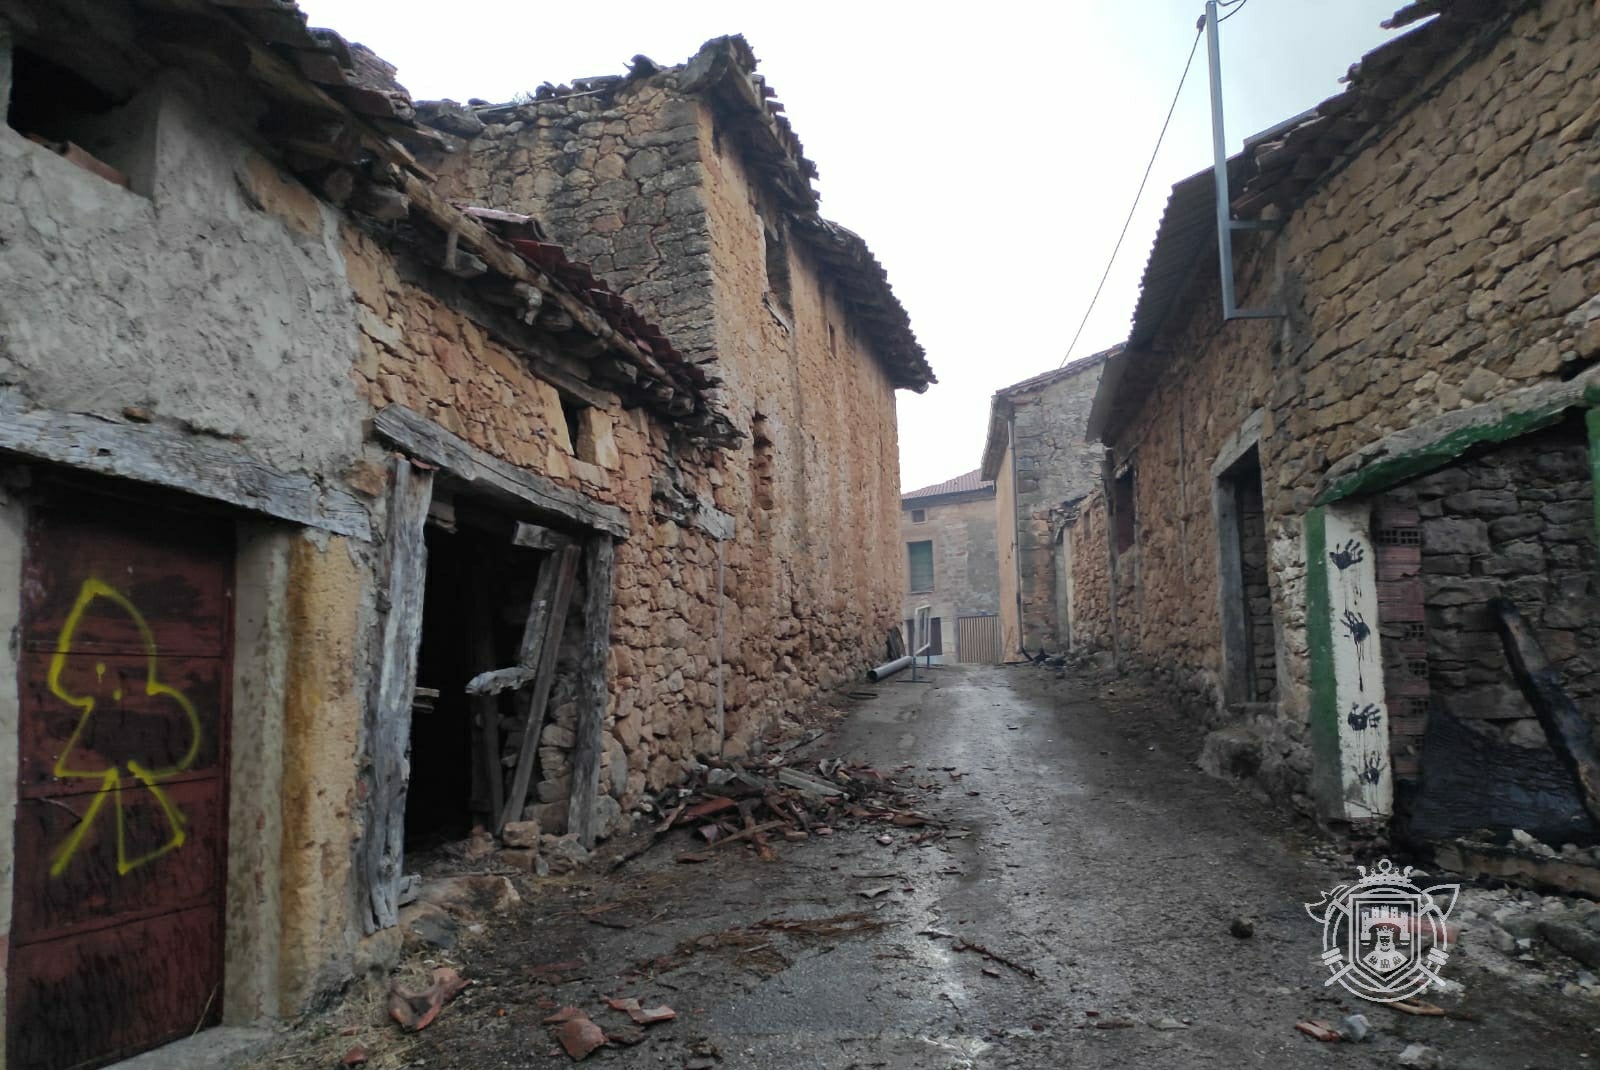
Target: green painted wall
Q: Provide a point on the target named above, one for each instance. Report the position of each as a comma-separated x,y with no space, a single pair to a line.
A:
1327,760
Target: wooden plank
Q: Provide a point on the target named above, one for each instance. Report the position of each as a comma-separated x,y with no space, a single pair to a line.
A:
486,704
427,441
593,690
495,681
541,642
166,457
388,725
534,537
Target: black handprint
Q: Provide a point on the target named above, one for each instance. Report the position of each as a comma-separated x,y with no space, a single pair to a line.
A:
1357,626
1348,554
1362,718
1371,769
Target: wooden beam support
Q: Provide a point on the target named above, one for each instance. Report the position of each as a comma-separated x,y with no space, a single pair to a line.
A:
485,704
541,643
427,441
388,727
593,690
534,537
1565,725
167,457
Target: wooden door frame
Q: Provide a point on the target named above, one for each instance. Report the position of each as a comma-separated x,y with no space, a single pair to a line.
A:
425,448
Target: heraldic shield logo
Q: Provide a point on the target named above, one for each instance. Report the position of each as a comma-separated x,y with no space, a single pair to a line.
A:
1374,933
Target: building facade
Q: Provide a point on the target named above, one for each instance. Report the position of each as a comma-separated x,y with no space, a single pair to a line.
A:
1041,462
1314,524
341,515
952,567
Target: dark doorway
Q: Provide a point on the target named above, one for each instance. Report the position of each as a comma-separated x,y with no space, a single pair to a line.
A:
479,587
1249,631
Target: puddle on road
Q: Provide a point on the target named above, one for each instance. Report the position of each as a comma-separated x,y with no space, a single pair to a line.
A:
962,1051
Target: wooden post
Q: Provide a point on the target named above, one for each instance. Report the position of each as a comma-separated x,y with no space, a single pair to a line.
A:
593,691
389,712
541,642
486,707
1569,731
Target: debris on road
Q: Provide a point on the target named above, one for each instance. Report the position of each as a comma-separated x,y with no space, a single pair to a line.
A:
993,956
1418,1007
1168,1024
580,1036
356,1056
1317,1029
1355,1028
1421,1057
1242,927
642,1015
415,1011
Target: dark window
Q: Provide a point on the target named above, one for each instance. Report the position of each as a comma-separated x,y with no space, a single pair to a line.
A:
935,639
778,284
1122,510
921,558
572,411
71,116
918,515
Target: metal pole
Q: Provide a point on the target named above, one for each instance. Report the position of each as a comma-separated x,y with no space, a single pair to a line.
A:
1219,156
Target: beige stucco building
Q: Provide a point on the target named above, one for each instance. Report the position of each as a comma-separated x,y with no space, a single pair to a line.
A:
948,530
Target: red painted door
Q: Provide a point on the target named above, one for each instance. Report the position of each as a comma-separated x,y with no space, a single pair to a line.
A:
124,680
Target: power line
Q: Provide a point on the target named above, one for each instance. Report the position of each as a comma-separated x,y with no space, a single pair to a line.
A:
1193,48
1234,12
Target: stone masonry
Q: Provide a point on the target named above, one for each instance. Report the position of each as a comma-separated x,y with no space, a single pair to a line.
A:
961,526
1040,421
1450,261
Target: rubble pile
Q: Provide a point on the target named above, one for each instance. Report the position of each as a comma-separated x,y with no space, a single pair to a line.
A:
758,802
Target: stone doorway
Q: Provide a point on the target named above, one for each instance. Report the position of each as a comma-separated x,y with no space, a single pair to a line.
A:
1249,626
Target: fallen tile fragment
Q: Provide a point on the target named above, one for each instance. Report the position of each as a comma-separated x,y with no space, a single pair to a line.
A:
1317,1029
356,1056
415,1011
990,971
565,1014
873,893
1420,1007
580,1036
653,1015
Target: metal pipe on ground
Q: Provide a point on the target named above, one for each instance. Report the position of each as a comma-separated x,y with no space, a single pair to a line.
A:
889,668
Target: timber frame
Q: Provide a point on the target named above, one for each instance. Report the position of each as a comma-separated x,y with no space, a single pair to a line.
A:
580,536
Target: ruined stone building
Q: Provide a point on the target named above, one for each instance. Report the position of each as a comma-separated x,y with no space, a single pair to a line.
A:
1306,519
1041,463
345,507
952,567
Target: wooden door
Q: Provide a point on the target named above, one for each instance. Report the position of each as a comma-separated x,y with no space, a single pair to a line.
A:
124,680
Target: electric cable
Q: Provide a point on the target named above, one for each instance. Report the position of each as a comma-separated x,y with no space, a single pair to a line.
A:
1193,48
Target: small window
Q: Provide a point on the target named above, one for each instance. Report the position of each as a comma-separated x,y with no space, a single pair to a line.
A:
921,558
572,412
918,515
1122,510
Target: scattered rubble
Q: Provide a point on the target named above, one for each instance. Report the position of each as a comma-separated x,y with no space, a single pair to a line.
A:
748,802
1421,1057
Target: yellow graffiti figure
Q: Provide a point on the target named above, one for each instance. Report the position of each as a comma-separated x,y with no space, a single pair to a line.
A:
111,778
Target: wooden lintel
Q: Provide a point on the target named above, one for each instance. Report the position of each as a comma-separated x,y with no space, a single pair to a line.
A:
427,441
168,457
593,690
495,681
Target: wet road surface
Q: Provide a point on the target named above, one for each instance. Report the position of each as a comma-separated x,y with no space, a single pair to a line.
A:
1082,846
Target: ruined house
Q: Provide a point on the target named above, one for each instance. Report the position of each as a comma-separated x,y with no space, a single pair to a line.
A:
346,508
952,568
1041,462
1307,517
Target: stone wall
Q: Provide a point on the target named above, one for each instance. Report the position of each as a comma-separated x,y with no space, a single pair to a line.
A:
1005,513
643,185
1088,532
1446,264
1054,464
966,569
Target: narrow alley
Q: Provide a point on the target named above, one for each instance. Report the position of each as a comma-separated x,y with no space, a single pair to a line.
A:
1081,847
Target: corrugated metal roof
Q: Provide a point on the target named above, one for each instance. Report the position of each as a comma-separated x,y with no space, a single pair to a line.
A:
962,484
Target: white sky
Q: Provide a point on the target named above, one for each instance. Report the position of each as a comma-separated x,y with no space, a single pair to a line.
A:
988,156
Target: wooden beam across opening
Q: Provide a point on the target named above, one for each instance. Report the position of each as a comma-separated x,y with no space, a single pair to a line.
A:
593,692
541,642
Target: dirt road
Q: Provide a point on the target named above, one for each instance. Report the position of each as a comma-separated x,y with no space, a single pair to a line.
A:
1083,848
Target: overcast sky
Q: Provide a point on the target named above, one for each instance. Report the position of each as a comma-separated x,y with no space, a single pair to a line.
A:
988,156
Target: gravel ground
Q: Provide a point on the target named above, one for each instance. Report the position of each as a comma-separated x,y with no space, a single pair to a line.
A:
1082,849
